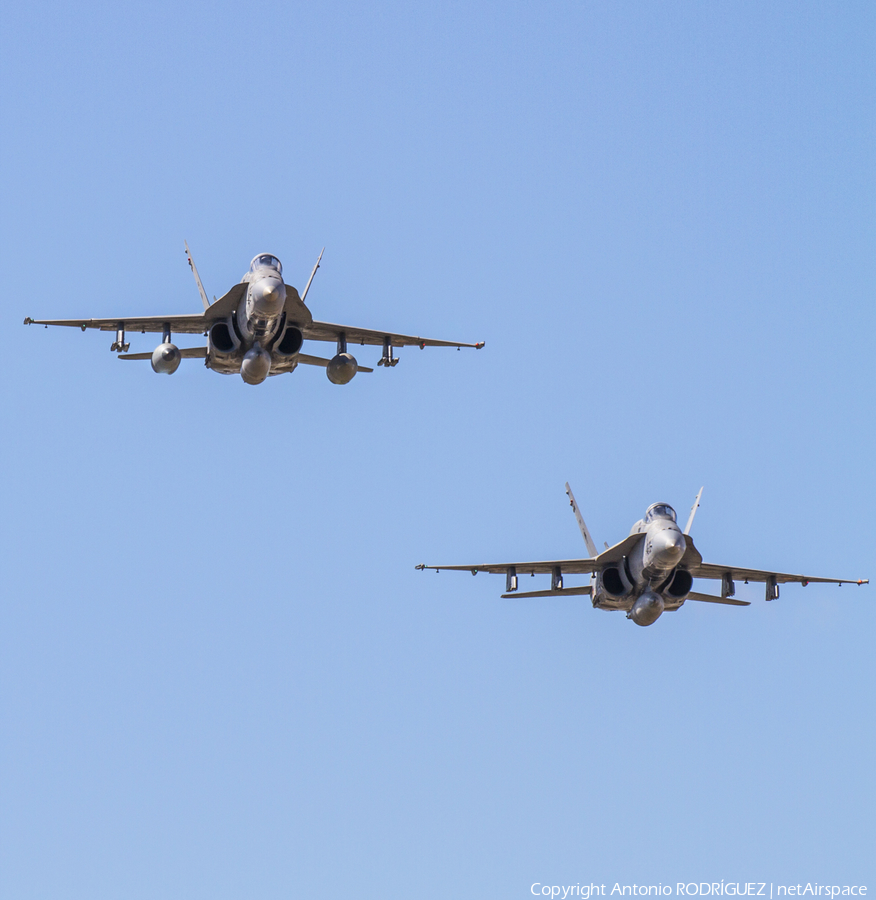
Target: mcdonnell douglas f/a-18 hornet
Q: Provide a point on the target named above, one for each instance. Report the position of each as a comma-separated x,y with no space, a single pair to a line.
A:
256,329
648,573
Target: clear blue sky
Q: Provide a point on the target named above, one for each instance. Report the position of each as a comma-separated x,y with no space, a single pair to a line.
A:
220,675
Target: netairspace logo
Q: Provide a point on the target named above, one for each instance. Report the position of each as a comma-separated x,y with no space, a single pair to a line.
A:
698,889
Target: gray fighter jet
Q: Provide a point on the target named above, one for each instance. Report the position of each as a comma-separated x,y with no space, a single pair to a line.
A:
648,573
256,329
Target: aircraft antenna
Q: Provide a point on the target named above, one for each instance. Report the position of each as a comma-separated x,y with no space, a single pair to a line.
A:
309,280
693,511
591,547
194,269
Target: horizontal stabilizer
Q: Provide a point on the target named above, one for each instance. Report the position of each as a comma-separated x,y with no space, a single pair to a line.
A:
563,593
708,598
185,353
306,360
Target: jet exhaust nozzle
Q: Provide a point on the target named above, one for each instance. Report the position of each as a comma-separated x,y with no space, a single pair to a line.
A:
647,609
166,358
256,365
342,368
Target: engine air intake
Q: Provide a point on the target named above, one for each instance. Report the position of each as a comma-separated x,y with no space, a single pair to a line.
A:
291,341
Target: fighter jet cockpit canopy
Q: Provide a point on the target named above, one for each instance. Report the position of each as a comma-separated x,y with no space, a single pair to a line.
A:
266,259
659,511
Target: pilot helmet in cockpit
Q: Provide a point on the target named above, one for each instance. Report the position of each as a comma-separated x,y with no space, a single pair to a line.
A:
266,260
659,511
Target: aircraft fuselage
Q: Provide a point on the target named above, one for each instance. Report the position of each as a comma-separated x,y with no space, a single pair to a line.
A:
256,340
258,317
648,580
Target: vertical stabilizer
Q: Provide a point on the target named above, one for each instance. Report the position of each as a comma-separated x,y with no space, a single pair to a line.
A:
194,269
309,280
693,511
591,547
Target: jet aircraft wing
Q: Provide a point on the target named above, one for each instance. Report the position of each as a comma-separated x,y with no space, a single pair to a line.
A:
199,323
711,571
325,331
566,566
196,323
693,562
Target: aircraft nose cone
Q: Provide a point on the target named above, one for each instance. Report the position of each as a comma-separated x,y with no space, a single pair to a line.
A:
669,546
269,295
